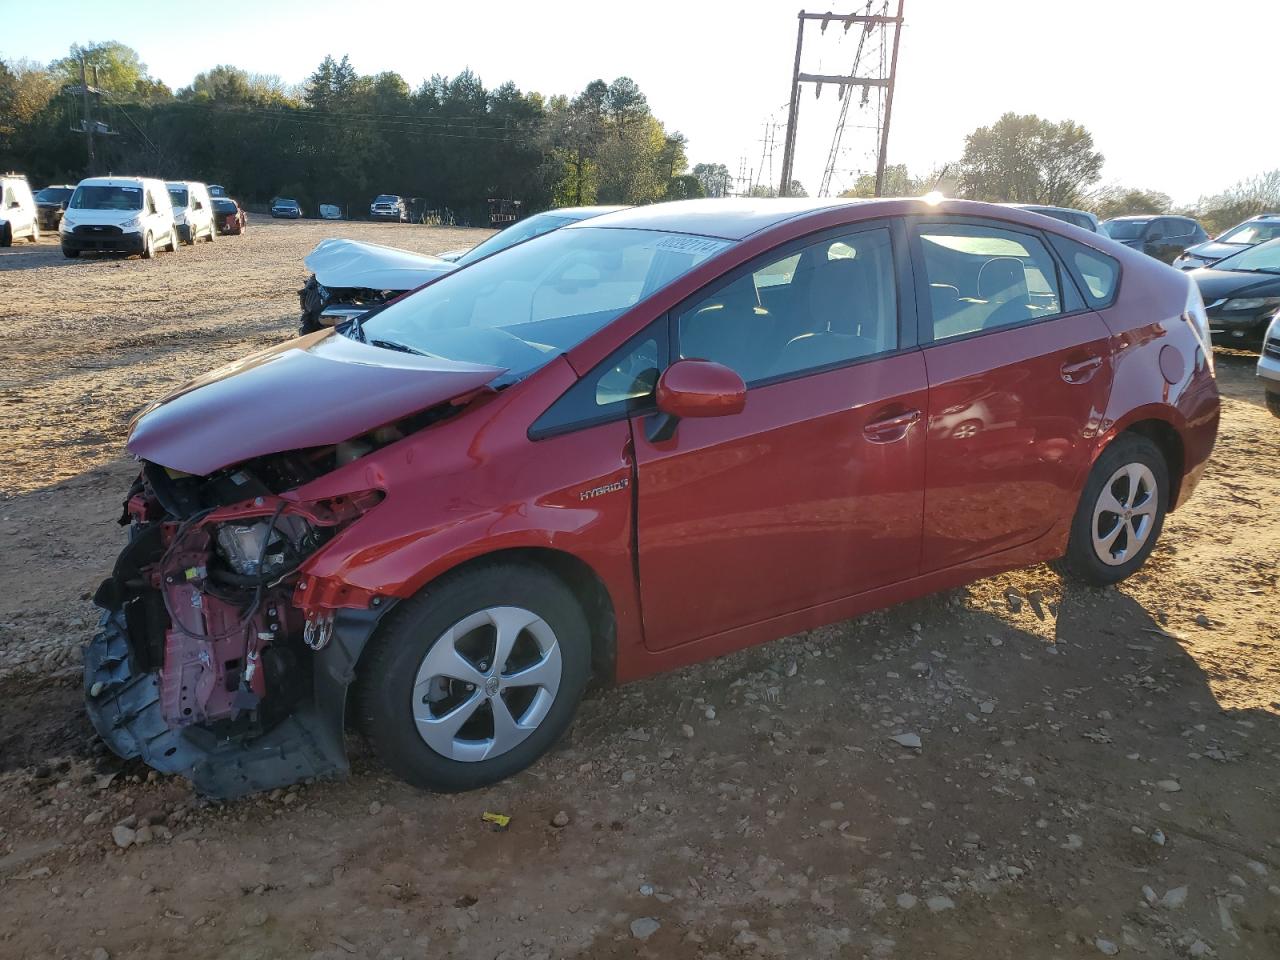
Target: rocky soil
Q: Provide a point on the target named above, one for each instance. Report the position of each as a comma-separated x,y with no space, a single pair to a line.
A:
1020,769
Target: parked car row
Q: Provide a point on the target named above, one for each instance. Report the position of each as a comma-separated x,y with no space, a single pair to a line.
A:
143,215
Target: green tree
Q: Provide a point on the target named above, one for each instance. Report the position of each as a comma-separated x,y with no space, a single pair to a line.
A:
120,72
1026,159
1248,198
898,182
1115,201
714,178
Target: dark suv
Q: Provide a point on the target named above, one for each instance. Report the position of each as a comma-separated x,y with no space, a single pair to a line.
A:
51,202
1158,236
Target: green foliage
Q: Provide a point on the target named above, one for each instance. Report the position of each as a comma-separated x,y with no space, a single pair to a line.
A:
1248,198
344,137
119,70
1126,201
898,182
1025,159
714,178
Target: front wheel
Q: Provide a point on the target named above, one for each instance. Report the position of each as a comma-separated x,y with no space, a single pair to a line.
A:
1273,402
148,247
475,678
1121,512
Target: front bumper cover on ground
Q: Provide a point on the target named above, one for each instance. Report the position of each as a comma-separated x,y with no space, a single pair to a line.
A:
124,707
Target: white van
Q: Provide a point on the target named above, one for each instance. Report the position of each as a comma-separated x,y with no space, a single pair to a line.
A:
192,210
17,210
118,215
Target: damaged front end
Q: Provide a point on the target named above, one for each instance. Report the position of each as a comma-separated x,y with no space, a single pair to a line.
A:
216,659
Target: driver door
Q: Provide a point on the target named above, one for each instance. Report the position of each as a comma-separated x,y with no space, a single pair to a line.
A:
814,492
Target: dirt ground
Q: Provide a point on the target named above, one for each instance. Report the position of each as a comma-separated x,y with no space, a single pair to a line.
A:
1097,770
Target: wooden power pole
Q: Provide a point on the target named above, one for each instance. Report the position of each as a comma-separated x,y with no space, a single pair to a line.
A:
840,81
87,120
888,106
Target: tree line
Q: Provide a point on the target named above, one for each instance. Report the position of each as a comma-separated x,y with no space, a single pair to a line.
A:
342,137
1028,159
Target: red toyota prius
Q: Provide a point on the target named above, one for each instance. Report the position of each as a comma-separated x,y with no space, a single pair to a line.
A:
644,440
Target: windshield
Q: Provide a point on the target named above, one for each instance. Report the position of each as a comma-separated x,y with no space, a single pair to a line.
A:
526,229
1263,258
53,194
178,195
1251,233
106,198
286,203
1125,229
385,198
224,206
538,299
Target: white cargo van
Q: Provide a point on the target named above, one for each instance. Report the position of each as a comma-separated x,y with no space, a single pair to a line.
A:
118,215
192,210
18,216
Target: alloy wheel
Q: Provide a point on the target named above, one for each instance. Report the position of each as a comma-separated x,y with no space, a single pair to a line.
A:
1124,514
486,684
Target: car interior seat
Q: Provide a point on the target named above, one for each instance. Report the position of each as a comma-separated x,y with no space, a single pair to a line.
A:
1003,281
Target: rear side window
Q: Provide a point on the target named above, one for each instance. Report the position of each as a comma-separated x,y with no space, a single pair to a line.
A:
981,278
1097,274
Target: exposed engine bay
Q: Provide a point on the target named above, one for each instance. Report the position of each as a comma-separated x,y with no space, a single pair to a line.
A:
216,656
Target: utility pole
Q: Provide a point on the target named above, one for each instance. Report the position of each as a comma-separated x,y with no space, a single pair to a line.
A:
843,83
789,143
888,105
88,120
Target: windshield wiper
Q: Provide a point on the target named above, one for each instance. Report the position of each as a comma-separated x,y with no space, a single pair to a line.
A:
397,346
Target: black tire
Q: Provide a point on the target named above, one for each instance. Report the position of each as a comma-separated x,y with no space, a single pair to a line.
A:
70,254
1082,559
1273,402
384,686
148,247
6,236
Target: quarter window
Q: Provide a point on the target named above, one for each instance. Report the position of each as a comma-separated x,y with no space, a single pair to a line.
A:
620,385
1098,275
832,302
982,278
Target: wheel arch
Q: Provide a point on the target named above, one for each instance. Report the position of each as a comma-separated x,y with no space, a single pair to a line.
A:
582,580
1169,442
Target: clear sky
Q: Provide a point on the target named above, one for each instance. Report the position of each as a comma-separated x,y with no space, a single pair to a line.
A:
1179,96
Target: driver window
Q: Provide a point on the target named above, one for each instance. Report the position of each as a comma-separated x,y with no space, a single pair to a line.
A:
1155,230
833,302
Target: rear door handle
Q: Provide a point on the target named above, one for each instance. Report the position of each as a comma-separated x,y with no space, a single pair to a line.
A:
888,429
1081,371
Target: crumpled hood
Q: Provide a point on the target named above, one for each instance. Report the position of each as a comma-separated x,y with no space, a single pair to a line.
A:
314,391
340,263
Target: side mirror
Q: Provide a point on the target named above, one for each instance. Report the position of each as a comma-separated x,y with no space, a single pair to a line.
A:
695,388
14,204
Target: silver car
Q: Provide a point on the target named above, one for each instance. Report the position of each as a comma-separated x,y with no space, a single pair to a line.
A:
1255,230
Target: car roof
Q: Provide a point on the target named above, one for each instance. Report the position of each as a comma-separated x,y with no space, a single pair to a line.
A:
728,218
584,213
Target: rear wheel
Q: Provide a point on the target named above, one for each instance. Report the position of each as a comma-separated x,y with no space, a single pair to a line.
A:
6,236
173,240
1121,512
70,254
475,678
35,233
